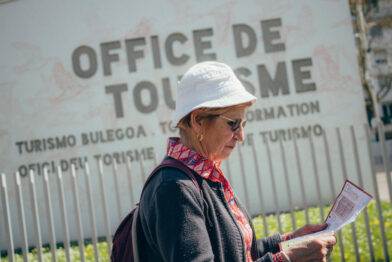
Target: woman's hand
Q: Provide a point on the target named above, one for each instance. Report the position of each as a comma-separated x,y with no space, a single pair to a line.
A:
308,229
317,248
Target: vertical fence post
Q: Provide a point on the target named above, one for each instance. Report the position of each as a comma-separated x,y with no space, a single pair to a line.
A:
21,215
117,189
49,215
129,174
377,193
316,176
385,158
243,177
7,219
63,214
77,213
332,184
344,169
91,211
329,168
359,172
141,162
262,205
272,175
301,179
34,207
104,205
286,178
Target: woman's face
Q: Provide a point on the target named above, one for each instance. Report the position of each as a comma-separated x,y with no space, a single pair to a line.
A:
219,139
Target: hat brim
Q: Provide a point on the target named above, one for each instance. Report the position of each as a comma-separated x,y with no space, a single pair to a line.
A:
237,98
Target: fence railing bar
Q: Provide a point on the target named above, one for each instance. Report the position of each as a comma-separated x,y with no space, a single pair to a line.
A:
301,180
329,166
385,158
34,207
262,205
316,176
63,212
275,194
286,178
360,181
7,219
341,246
244,181
77,213
332,184
104,205
21,216
49,215
368,234
344,171
90,203
117,189
129,175
142,169
356,247
377,195
155,159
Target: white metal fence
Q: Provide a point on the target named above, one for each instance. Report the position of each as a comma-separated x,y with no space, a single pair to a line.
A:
101,222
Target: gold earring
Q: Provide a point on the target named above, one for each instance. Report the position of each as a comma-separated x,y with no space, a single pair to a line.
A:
200,137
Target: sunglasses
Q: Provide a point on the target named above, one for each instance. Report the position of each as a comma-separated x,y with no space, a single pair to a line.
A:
234,124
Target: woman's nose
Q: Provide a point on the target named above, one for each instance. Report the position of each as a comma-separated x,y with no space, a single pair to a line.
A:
239,134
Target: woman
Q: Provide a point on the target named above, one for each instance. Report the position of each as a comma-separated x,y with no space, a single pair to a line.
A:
178,221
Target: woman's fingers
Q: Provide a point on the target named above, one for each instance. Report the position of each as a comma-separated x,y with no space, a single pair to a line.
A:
317,227
313,248
327,242
329,252
308,229
330,239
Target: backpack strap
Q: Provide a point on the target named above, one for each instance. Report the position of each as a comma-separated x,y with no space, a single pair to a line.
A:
171,162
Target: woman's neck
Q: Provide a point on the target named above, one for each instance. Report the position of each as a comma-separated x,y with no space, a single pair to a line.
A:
196,146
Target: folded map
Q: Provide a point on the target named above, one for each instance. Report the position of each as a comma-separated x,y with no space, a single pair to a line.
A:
347,207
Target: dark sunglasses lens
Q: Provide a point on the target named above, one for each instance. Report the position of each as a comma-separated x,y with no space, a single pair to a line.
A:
231,124
236,124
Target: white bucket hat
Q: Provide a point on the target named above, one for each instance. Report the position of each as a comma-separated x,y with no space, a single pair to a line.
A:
208,84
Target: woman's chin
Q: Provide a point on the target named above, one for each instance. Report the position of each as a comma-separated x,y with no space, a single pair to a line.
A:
224,155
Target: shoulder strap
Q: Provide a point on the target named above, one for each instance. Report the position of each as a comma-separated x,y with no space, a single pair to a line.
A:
171,162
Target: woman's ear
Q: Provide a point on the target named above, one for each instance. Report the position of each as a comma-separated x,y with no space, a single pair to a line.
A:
195,122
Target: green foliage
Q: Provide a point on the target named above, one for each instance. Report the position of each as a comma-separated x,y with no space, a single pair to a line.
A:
272,225
74,252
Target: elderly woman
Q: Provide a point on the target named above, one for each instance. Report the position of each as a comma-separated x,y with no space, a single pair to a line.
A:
182,222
